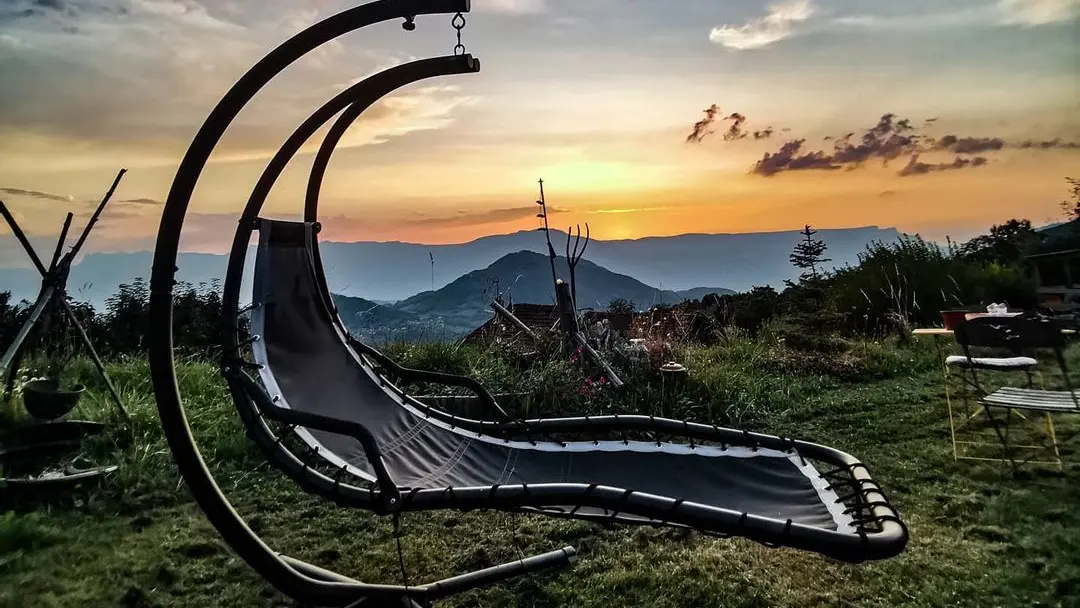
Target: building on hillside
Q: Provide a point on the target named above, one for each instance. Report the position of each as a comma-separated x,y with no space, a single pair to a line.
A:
1059,279
539,318
1057,266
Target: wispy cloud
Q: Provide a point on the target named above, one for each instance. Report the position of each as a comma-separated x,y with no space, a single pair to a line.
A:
991,14
37,194
167,61
1038,12
479,217
735,131
921,21
915,167
67,198
142,201
702,128
621,210
1049,144
779,23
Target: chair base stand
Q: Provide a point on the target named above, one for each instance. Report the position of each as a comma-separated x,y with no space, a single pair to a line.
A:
422,596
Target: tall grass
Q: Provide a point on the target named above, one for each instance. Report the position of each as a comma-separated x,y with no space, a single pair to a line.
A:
910,281
741,381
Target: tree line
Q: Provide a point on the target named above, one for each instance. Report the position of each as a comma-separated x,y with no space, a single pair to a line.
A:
896,285
121,327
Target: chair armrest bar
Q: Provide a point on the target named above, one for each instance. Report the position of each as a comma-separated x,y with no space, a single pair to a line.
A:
391,497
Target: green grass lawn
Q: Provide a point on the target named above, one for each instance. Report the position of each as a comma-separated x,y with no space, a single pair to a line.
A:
979,537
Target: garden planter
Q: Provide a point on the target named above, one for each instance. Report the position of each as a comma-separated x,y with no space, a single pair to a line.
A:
45,400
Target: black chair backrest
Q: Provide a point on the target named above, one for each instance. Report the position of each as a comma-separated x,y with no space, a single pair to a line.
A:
1015,333
1018,334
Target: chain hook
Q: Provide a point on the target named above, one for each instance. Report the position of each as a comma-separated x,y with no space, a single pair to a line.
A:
458,22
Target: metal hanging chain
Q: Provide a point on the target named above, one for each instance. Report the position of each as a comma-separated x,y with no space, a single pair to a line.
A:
459,24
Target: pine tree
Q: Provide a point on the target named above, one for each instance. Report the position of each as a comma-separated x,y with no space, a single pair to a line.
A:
1072,204
809,254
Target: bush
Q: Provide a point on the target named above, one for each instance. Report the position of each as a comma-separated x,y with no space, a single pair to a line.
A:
748,311
122,327
912,281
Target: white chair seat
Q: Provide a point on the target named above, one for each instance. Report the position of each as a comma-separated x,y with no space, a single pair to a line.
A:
992,363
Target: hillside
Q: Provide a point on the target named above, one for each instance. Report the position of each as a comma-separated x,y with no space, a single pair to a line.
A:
464,303
735,261
394,271
372,321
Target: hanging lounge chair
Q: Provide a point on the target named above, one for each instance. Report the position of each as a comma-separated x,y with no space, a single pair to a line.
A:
363,442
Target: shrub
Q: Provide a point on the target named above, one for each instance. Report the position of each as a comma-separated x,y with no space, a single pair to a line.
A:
748,311
912,281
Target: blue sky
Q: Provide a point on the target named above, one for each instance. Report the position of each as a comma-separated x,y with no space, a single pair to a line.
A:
596,96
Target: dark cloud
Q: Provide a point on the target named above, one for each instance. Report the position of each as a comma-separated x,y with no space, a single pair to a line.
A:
915,167
890,139
11,10
1049,144
735,131
968,145
16,9
44,196
887,140
701,127
790,158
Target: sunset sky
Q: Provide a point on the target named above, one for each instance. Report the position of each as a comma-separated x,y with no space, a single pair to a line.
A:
597,97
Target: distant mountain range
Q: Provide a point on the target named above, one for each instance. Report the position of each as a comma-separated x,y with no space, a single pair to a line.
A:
393,271
524,277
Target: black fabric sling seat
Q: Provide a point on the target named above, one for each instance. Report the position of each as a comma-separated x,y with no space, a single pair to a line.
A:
308,365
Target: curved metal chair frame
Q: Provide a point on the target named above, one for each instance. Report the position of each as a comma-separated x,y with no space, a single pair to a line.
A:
305,582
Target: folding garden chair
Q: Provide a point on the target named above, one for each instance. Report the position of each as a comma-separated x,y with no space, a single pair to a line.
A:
966,365
1021,334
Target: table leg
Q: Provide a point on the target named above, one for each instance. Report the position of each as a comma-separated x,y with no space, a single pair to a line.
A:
948,396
